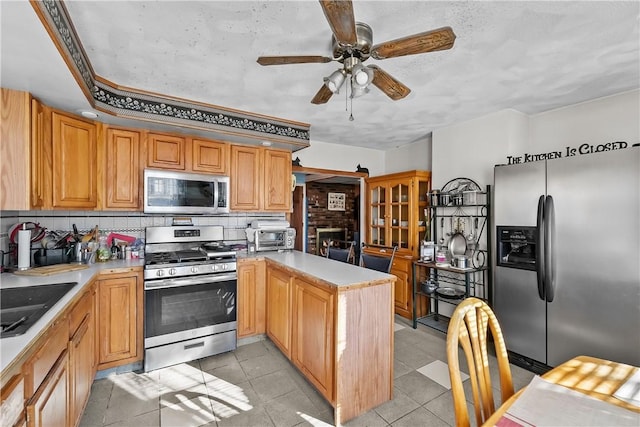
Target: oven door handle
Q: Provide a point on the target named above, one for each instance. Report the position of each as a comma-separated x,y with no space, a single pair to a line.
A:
188,281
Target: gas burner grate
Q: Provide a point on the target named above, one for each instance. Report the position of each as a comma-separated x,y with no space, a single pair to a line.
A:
185,256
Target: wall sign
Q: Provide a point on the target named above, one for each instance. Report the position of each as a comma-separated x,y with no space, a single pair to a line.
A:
567,152
337,201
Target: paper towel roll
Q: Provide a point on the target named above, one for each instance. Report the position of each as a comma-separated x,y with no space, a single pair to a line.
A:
24,249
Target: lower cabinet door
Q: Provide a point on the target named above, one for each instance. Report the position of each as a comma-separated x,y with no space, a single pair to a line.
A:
48,407
313,324
279,309
81,363
403,295
118,311
251,298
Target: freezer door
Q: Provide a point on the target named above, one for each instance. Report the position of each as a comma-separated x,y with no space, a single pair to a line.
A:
519,309
596,305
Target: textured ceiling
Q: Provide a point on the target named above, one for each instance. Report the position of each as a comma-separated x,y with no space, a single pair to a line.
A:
530,56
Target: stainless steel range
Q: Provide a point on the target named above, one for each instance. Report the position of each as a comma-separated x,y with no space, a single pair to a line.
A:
190,286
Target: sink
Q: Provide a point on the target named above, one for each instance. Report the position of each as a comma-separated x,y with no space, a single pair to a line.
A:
20,308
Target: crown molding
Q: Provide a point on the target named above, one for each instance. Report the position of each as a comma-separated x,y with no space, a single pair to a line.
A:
137,104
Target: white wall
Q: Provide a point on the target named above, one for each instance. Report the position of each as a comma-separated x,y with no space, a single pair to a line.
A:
609,119
325,155
471,149
413,156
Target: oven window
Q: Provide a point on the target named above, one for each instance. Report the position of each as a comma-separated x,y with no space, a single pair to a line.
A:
169,310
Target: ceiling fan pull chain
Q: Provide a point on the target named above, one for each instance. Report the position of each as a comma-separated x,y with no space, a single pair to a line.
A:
351,112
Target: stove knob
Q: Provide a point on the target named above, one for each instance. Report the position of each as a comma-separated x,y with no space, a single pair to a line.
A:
160,273
172,271
194,269
215,267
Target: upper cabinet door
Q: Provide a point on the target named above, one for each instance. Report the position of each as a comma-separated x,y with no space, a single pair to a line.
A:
209,156
245,178
14,149
74,162
277,180
123,172
166,151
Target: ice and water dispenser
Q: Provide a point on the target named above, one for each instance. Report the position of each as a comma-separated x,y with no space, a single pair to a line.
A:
517,247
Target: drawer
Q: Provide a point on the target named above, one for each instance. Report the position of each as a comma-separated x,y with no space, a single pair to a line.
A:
80,311
49,349
401,264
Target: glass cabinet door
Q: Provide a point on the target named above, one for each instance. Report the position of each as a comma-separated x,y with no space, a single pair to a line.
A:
399,215
377,215
423,220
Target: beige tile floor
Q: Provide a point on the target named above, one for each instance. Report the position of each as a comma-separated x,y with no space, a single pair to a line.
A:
256,386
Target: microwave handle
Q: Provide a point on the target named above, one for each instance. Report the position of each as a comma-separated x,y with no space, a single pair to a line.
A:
216,193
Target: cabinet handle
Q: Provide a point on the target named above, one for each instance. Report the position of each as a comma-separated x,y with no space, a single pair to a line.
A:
198,344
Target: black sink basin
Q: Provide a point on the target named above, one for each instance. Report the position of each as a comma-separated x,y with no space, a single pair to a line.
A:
20,308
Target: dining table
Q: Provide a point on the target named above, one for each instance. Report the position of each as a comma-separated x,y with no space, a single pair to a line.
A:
580,387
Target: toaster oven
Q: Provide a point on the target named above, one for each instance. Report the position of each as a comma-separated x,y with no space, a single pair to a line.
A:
274,239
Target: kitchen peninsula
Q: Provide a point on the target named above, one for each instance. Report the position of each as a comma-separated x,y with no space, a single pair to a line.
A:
332,320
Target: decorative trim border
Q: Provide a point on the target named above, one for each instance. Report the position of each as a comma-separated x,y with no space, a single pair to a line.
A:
132,103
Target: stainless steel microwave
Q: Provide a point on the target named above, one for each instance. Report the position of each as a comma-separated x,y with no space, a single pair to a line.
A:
168,192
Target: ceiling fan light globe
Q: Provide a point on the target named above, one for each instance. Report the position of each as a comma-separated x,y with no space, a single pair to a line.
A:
362,78
358,91
335,81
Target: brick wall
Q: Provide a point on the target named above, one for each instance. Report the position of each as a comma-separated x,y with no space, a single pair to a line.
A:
318,216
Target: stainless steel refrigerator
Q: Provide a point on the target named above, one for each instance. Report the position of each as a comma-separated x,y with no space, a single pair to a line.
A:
567,258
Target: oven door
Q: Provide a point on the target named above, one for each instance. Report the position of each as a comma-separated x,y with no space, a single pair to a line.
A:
184,308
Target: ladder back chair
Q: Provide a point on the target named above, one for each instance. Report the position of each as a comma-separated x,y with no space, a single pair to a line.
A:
469,327
341,250
381,263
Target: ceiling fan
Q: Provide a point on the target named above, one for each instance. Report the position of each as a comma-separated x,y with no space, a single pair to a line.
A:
352,46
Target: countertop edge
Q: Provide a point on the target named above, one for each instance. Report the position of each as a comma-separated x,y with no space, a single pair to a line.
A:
14,349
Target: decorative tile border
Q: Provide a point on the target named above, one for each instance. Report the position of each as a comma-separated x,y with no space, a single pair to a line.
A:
134,104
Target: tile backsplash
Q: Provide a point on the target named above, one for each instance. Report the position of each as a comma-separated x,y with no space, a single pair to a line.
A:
129,223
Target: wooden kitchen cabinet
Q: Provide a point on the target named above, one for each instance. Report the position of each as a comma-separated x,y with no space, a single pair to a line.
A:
395,217
119,317
82,354
166,151
16,151
74,166
279,309
313,334
49,406
209,156
340,337
12,410
260,179
122,177
251,297
277,181
40,152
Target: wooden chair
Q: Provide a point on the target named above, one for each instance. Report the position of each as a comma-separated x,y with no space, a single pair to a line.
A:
340,250
469,326
377,262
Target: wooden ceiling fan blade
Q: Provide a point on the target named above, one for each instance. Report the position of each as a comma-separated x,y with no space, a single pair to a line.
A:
390,86
429,41
300,59
339,14
322,96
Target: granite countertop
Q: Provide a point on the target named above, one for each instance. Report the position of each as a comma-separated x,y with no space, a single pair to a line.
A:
12,347
336,273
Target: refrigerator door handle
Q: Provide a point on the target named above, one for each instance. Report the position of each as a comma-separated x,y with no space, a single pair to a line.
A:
540,241
549,249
